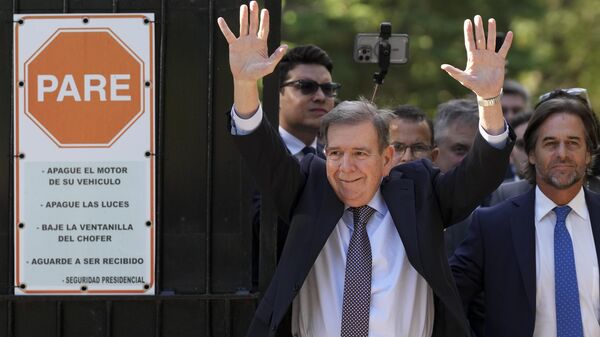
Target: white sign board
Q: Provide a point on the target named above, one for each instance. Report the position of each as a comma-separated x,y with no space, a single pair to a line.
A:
84,146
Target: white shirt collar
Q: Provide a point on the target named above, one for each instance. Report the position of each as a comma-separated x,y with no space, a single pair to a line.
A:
294,144
543,205
377,203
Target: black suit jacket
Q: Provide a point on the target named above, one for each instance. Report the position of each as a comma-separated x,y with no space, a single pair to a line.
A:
498,257
420,200
282,226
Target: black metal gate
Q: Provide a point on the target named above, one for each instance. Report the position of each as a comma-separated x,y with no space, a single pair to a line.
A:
204,236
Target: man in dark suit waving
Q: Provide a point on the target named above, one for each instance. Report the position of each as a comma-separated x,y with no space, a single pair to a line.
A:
364,255
536,255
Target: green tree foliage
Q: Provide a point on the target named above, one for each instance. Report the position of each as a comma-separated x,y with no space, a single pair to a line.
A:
555,43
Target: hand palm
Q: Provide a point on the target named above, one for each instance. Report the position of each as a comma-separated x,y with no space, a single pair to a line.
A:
484,71
248,58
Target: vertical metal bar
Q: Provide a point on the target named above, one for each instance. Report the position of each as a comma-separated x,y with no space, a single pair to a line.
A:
65,6
10,320
11,209
209,143
160,140
59,321
115,6
209,160
158,319
108,319
228,318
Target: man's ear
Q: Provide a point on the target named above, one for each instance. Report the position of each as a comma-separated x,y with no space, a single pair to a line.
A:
434,154
388,155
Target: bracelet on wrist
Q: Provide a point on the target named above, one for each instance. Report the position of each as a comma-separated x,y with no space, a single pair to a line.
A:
483,102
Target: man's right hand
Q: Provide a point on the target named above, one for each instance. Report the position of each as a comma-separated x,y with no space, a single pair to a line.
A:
249,58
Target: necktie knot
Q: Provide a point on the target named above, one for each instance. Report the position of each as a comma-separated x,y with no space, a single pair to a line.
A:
561,213
361,215
309,149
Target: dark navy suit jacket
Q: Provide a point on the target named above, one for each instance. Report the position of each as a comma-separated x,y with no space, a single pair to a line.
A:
421,201
498,257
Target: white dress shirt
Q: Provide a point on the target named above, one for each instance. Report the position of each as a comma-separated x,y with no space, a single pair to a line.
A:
401,299
586,264
295,145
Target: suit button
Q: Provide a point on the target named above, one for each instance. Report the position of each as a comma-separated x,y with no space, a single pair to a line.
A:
296,287
274,328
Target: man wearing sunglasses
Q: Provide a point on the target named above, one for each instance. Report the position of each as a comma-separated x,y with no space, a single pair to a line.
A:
535,256
306,94
364,255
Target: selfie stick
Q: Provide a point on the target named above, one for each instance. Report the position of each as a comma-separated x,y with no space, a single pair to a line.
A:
384,52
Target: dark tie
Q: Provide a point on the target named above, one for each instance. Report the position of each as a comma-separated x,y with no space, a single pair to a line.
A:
357,280
308,149
566,292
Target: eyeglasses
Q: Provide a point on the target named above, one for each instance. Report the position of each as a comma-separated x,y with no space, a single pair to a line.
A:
310,87
415,149
580,93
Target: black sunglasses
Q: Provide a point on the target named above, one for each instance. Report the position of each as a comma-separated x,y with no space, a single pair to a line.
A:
579,93
310,87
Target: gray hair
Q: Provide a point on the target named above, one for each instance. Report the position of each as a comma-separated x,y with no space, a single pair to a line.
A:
462,111
356,112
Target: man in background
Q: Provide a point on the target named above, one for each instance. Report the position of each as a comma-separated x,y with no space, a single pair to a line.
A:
455,128
411,134
515,99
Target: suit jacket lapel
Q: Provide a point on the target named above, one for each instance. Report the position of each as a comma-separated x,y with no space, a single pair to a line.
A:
522,223
328,215
593,205
400,200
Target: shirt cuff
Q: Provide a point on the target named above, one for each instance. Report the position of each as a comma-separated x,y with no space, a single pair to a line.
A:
496,141
243,126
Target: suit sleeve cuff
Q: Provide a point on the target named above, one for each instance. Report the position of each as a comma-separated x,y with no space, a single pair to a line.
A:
496,141
243,126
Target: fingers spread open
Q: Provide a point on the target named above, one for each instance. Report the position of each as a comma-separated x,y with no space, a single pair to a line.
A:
226,31
253,18
456,73
506,45
243,20
468,29
479,33
491,38
263,31
277,56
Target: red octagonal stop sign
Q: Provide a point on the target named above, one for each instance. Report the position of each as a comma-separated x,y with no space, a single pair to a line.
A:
84,87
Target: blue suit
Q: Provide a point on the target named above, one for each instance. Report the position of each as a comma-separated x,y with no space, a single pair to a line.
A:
498,257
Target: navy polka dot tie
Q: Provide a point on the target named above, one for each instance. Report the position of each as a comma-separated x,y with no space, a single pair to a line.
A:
357,280
568,310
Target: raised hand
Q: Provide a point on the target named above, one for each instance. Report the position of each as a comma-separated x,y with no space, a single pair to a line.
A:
248,54
484,73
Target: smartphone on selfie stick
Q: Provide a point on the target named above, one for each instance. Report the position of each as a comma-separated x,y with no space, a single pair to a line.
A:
384,49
